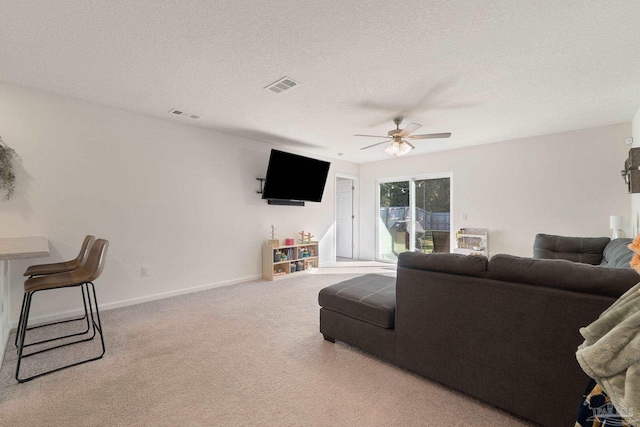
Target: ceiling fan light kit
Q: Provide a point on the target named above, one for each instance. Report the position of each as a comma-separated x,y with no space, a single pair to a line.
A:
393,149
399,148
399,145
405,147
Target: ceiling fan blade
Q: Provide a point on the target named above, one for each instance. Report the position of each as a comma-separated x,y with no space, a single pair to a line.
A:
373,136
383,142
430,136
410,129
409,144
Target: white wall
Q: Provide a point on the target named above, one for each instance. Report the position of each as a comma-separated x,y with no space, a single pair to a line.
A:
567,183
182,199
179,198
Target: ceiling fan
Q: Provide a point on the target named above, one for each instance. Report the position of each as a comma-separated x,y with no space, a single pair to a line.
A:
399,144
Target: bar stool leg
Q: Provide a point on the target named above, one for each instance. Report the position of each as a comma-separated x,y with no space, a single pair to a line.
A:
18,328
23,331
85,317
96,325
99,325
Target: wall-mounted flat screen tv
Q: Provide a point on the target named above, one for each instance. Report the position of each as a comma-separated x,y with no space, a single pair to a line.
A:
292,177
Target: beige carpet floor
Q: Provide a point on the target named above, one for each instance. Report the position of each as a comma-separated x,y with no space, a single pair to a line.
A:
243,355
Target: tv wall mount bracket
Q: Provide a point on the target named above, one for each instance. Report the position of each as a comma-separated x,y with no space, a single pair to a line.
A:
262,180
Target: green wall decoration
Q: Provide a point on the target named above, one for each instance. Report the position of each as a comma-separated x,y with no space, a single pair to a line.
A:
7,177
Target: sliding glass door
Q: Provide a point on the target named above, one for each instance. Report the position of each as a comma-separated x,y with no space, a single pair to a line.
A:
395,211
414,215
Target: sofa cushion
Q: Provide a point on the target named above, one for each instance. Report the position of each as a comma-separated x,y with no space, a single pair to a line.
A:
371,298
475,266
587,250
563,274
617,253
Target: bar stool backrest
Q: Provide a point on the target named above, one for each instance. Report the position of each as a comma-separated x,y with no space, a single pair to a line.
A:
84,250
94,264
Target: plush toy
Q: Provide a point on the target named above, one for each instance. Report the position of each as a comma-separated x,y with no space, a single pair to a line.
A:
635,247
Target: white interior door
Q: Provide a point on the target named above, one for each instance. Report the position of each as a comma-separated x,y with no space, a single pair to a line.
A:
344,218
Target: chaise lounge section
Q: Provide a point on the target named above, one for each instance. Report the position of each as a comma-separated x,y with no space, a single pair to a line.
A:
504,331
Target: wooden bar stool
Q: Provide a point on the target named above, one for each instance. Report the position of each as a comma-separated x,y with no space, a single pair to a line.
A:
59,267
82,277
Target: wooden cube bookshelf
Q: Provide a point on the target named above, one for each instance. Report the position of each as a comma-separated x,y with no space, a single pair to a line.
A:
297,259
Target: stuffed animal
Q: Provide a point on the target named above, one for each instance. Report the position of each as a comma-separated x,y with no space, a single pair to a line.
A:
635,247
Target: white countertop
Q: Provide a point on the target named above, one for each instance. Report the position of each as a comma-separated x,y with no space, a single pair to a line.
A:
23,247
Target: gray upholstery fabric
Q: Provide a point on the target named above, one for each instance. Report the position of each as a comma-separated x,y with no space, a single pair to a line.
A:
509,344
475,266
363,335
563,274
587,250
371,298
617,253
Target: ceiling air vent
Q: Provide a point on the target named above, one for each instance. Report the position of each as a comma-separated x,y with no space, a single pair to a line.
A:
183,114
282,84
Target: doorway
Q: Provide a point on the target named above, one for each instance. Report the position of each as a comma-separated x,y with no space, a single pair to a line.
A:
414,215
345,218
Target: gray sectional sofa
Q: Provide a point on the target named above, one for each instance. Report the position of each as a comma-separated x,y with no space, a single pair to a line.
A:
504,331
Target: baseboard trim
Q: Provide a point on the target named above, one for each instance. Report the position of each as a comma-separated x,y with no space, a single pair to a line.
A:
133,301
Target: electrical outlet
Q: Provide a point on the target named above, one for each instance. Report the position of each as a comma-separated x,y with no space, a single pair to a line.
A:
145,270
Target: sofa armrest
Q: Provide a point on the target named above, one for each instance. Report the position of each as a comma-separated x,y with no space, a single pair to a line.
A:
563,274
587,250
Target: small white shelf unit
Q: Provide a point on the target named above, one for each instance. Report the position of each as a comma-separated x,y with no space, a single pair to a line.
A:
279,262
472,241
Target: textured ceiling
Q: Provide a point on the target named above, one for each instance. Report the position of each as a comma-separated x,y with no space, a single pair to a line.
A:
486,71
